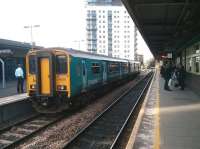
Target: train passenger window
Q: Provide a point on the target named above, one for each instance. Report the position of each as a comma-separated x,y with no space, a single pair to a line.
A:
113,67
61,64
32,64
125,67
95,68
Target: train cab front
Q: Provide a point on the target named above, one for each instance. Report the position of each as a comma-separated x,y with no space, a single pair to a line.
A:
48,80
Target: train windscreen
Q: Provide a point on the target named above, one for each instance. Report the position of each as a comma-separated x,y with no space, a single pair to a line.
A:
32,64
61,64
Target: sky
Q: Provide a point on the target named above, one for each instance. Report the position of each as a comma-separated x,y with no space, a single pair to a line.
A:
62,23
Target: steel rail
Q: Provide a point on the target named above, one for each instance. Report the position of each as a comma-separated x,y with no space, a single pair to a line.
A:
73,139
45,122
132,112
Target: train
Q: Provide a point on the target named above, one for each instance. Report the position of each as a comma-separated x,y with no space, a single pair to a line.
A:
56,77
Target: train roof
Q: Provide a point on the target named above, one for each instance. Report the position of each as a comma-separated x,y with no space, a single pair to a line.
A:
82,54
132,61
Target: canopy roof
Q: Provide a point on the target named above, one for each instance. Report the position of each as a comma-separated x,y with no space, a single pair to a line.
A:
165,24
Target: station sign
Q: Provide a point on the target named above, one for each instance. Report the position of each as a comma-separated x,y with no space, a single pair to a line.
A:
169,55
166,55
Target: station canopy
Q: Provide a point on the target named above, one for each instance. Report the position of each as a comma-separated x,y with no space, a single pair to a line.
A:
165,25
13,48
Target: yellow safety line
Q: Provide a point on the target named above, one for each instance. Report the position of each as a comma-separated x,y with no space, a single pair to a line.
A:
157,116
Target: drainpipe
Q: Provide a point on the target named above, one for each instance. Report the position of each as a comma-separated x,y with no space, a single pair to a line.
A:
3,73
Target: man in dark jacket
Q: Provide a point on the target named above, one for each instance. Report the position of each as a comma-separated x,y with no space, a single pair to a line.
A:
162,70
167,76
181,76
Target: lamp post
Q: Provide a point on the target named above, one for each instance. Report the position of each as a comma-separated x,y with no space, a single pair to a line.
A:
31,30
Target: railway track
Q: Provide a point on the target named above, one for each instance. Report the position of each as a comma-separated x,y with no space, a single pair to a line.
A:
103,132
11,137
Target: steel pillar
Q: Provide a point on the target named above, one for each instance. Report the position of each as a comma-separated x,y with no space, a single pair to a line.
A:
3,73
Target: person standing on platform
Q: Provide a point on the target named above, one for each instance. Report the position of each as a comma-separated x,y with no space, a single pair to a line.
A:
167,76
19,74
181,76
162,70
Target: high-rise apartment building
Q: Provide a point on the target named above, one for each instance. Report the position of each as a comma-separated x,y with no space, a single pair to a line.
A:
110,30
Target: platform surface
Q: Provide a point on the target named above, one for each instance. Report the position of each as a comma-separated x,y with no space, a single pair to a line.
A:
13,98
171,120
10,89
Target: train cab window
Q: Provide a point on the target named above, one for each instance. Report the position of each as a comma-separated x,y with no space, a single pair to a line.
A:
95,68
61,64
32,64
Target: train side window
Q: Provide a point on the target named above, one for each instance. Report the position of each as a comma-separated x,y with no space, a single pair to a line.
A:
61,64
95,68
125,67
113,67
32,64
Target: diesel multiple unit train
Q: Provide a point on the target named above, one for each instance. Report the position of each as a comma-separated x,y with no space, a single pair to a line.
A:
56,76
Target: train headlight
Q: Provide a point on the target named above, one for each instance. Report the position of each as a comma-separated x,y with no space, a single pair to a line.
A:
33,86
61,87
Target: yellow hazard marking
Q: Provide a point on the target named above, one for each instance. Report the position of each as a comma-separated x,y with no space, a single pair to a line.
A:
157,118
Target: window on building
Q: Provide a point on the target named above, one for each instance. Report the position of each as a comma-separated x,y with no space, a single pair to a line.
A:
61,64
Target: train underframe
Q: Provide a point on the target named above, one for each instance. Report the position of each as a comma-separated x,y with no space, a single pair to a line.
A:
61,102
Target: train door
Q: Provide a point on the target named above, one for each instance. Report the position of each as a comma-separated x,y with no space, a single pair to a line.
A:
84,75
45,76
104,73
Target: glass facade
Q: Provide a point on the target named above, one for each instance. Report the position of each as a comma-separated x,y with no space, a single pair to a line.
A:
109,33
104,2
92,31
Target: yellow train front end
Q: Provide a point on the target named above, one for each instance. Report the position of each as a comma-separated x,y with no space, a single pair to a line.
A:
48,80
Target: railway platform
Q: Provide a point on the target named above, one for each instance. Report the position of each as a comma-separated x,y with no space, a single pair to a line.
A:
10,89
13,98
167,119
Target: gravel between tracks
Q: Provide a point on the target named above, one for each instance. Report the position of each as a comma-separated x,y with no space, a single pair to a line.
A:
55,136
